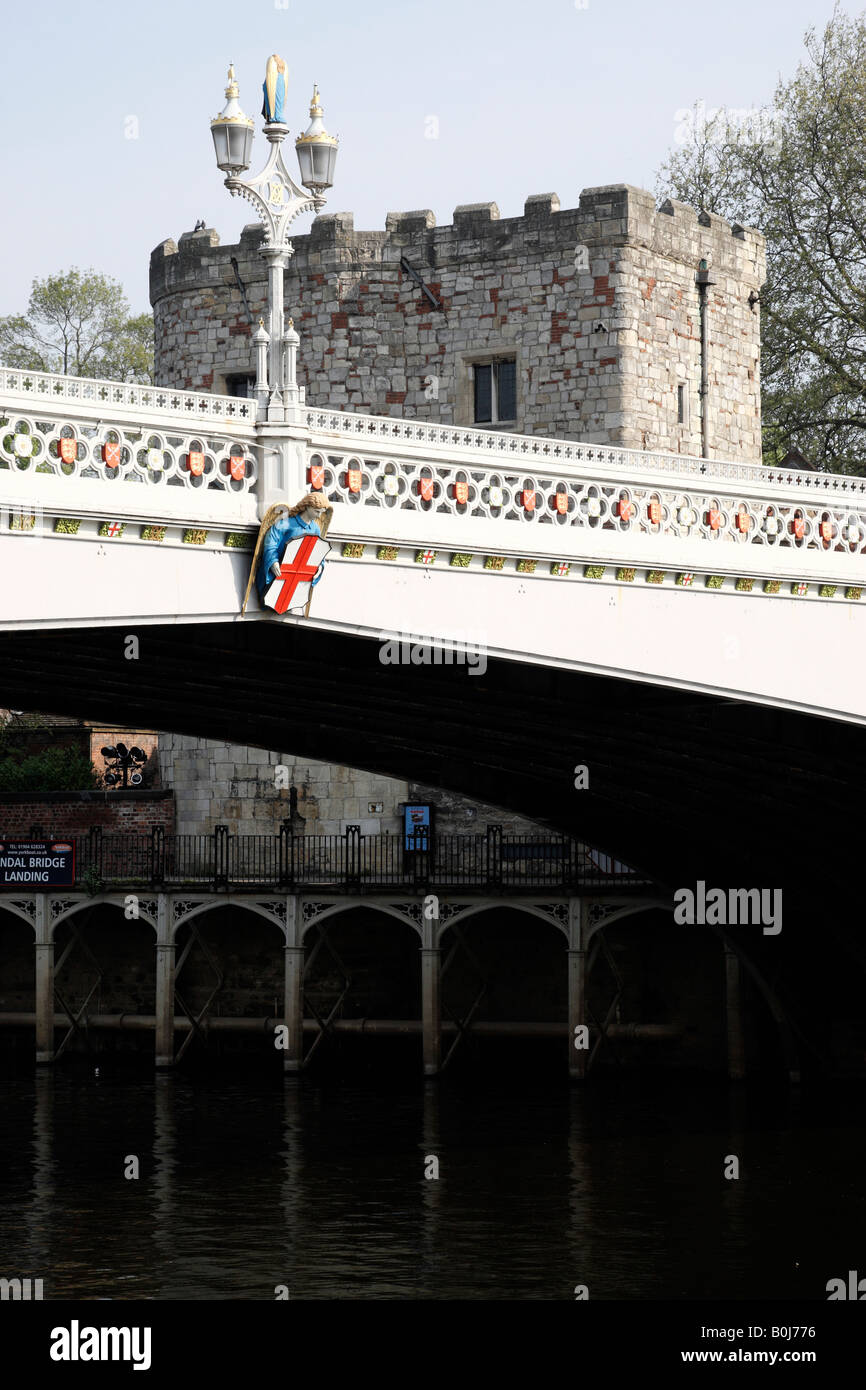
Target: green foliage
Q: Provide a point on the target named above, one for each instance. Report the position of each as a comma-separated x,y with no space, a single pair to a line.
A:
797,175
91,881
78,322
51,770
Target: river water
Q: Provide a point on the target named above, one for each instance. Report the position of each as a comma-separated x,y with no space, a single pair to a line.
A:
248,1182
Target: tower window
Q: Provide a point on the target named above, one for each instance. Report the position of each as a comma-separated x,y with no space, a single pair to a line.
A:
495,391
242,385
682,404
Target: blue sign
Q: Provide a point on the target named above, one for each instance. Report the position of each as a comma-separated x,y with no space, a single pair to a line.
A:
417,819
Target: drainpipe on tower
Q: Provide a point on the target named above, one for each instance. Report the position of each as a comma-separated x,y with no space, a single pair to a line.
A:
703,281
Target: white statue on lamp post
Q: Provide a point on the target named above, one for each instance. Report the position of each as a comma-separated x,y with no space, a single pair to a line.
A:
278,200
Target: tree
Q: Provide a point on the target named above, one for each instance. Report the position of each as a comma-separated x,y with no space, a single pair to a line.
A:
79,323
796,173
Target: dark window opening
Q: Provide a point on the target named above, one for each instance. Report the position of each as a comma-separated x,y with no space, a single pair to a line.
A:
242,385
495,392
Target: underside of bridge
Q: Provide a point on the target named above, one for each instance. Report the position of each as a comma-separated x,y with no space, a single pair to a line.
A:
680,785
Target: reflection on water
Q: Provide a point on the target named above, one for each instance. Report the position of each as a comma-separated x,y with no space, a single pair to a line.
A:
248,1182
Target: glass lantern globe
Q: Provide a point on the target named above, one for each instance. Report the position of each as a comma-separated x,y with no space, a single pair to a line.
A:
232,133
317,150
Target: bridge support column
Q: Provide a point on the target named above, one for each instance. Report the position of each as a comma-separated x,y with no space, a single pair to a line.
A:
165,973
44,983
734,1016
293,1013
293,999
431,1017
577,1052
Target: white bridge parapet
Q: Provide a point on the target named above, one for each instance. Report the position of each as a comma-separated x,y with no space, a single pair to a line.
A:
528,495
562,552
73,445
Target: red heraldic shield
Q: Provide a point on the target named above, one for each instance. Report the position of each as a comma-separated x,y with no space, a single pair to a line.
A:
562,503
111,455
290,593
799,527
237,466
461,492
195,462
528,498
655,512
826,530
425,488
317,476
68,450
353,479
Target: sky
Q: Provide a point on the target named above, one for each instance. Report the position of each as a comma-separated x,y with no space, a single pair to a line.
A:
106,108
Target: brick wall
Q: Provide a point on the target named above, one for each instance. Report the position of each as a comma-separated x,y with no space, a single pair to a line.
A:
103,735
73,813
601,341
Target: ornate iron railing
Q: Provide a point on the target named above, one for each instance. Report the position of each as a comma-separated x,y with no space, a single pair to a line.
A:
351,862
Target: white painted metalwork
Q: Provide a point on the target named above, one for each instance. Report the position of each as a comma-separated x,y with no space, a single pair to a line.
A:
95,397
113,451
277,200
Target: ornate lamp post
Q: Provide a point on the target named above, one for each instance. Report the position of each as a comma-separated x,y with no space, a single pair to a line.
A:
278,200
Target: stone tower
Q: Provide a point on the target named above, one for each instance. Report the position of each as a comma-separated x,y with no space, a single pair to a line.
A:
596,312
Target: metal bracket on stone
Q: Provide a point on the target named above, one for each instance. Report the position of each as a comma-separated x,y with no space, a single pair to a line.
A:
413,275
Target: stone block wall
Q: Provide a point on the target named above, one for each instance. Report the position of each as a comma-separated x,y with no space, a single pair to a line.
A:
598,305
229,784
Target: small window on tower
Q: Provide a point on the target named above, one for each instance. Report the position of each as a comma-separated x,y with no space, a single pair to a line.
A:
242,385
495,391
682,404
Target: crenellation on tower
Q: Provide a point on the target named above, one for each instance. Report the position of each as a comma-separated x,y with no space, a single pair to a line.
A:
597,307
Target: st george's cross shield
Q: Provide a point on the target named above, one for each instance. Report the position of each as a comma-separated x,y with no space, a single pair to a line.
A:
290,593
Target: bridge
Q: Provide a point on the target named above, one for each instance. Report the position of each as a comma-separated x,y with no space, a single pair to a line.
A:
129,505
296,885
687,630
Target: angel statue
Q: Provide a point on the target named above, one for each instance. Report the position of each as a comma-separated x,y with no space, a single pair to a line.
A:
290,553
274,88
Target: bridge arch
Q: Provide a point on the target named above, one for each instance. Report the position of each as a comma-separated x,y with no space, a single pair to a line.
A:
314,913
24,911
552,915
185,910
62,910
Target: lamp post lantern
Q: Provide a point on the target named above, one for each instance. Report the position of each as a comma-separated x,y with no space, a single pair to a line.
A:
278,200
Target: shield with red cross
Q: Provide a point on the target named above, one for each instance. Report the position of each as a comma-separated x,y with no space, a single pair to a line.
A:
298,567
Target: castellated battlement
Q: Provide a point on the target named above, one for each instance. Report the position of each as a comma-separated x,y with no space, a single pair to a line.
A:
598,307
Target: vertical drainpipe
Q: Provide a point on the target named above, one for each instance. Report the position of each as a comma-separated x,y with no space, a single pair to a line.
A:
703,281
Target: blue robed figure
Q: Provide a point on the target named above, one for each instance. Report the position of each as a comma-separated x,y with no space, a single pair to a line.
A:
301,520
274,89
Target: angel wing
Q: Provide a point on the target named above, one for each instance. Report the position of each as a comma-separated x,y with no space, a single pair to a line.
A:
271,515
271,75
